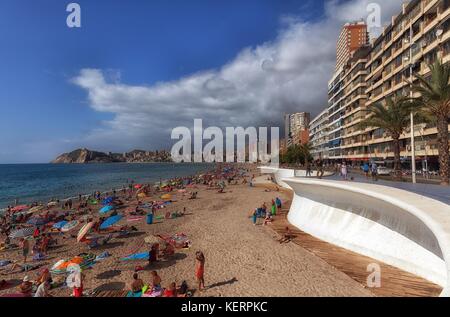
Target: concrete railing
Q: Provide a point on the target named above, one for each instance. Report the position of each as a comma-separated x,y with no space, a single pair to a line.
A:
397,227
280,173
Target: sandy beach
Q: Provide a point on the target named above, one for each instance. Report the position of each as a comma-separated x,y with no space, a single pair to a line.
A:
241,259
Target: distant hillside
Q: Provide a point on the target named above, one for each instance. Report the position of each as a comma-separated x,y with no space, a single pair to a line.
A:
83,156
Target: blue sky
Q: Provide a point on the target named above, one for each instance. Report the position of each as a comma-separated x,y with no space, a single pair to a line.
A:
48,105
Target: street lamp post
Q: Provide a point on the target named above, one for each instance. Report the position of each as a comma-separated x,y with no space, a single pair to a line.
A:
413,145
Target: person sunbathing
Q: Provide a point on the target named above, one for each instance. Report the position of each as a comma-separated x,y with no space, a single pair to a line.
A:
20,268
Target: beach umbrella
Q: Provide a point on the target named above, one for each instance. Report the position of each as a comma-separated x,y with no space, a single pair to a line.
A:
84,231
37,221
106,209
70,226
19,208
35,209
60,225
22,233
110,221
166,197
142,195
73,268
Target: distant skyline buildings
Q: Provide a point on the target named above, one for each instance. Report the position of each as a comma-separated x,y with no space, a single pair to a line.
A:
296,127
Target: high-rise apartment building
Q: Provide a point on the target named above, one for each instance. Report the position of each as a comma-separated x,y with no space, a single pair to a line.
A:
352,37
287,130
318,135
415,38
421,30
296,128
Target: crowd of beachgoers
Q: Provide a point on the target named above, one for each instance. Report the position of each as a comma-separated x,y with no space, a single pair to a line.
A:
30,235
205,235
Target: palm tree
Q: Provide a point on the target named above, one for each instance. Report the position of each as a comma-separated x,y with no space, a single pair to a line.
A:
435,102
394,118
306,153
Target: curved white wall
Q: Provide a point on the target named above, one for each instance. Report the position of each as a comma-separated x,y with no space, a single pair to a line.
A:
281,173
394,226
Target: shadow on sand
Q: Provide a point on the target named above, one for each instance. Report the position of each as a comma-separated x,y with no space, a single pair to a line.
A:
165,263
131,235
108,246
112,286
229,282
108,274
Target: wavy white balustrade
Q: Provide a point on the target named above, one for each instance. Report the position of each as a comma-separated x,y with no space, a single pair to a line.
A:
281,173
397,227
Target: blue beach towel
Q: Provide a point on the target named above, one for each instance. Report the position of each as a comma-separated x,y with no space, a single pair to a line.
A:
137,256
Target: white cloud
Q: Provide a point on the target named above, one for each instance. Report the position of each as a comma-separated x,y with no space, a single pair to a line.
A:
255,89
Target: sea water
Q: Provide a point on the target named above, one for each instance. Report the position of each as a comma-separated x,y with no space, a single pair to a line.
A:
41,182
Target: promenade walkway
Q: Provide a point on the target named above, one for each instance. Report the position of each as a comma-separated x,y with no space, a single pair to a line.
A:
440,193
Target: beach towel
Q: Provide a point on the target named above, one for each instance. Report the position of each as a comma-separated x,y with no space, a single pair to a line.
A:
5,285
137,256
155,292
135,218
132,294
70,226
4,263
60,224
110,221
106,209
102,256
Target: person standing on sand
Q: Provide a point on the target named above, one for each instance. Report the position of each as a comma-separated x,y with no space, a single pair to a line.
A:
25,249
255,216
200,269
278,202
153,254
78,278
